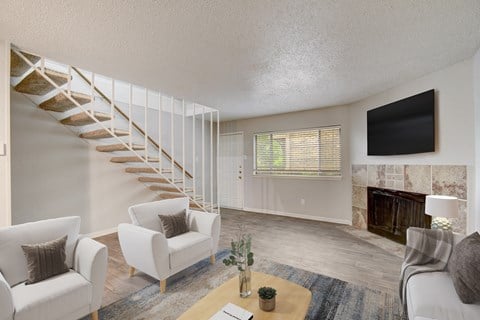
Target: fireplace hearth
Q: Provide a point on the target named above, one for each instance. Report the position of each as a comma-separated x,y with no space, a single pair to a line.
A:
391,213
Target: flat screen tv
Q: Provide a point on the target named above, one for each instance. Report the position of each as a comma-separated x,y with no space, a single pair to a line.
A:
403,127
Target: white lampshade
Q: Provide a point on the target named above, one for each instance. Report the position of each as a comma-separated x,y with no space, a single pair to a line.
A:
441,206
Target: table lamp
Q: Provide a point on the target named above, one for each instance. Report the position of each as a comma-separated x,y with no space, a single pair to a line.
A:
441,208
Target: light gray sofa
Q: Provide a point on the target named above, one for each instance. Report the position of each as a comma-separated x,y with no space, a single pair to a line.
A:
431,295
67,296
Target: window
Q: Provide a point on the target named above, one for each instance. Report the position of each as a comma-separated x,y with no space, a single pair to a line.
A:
305,152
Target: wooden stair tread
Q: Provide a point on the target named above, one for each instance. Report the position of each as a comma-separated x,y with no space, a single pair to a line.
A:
102,133
167,188
170,195
194,205
118,147
140,170
153,180
131,159
60,103
83,118
18,66
34,83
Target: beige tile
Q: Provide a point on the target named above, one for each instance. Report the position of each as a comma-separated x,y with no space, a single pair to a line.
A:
460,224
359,175
399,169
450,181
359,197
418,178
389,169
376,176
398,185
359,218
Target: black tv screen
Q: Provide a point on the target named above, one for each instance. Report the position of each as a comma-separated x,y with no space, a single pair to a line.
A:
403,127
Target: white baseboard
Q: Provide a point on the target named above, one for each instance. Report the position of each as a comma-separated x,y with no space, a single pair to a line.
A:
101,232
299,216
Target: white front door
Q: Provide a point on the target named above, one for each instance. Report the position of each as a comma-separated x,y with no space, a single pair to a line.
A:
231,171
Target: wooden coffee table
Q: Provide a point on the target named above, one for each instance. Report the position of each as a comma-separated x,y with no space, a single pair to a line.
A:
292,300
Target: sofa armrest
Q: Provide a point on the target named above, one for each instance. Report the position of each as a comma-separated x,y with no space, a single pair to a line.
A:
145,250
208,224
6,301
91,258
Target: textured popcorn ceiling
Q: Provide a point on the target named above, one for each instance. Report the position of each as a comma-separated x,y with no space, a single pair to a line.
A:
251,58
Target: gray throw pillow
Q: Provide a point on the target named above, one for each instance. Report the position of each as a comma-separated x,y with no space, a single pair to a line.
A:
45,260
464,268
174,224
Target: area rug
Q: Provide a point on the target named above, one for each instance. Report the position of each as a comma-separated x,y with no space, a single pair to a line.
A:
332,299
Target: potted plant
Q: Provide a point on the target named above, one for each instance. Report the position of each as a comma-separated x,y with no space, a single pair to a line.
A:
266,299
242,257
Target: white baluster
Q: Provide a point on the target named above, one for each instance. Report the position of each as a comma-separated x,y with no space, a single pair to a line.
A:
146,125
218,161
172,140
203,156
183,144
160,132
112,108
211,159
130,98
193,154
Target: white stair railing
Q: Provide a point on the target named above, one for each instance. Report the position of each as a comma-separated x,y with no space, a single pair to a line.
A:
115,96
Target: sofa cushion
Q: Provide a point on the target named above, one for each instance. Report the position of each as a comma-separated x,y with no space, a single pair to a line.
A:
54,298
146,214
174,224
188,248
45,260
464,267
431,295
12,238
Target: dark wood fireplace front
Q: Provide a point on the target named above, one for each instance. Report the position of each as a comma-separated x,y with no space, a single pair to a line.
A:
391,213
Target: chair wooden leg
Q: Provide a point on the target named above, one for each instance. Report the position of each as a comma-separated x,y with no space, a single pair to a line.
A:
94,315
163,286
131,272
212,259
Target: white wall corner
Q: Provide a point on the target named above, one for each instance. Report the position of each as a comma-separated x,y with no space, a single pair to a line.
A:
5,173
476,100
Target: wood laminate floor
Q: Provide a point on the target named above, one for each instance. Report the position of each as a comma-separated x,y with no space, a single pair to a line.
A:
319,247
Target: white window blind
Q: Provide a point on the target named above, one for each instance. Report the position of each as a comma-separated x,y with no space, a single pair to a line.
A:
305,152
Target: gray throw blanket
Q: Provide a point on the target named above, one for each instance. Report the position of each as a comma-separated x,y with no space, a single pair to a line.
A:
427,250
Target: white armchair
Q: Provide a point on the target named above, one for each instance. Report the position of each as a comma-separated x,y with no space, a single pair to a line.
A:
70,295
145,248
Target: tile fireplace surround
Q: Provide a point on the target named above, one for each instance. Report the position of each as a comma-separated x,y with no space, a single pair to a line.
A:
427,179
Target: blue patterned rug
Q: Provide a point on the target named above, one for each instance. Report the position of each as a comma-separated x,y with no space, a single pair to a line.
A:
332,299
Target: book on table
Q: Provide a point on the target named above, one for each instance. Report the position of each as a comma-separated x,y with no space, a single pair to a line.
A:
231,311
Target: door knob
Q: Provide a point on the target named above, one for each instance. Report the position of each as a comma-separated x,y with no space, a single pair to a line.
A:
240,178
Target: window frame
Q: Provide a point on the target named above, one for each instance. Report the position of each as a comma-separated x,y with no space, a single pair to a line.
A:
297,176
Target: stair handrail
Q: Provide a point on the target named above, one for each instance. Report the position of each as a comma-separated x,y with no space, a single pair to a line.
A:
135,125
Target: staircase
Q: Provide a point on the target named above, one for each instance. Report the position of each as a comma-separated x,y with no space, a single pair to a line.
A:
169,143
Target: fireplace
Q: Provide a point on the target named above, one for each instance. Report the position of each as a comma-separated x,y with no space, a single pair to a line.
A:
391,213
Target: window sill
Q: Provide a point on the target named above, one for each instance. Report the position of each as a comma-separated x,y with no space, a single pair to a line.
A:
333,178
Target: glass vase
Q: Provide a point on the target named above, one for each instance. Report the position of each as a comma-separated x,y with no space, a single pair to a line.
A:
245,281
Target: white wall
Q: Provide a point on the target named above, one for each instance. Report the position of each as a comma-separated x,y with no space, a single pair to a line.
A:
328,200
455,126
5,215
331,200
476,91
454,118
54,174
